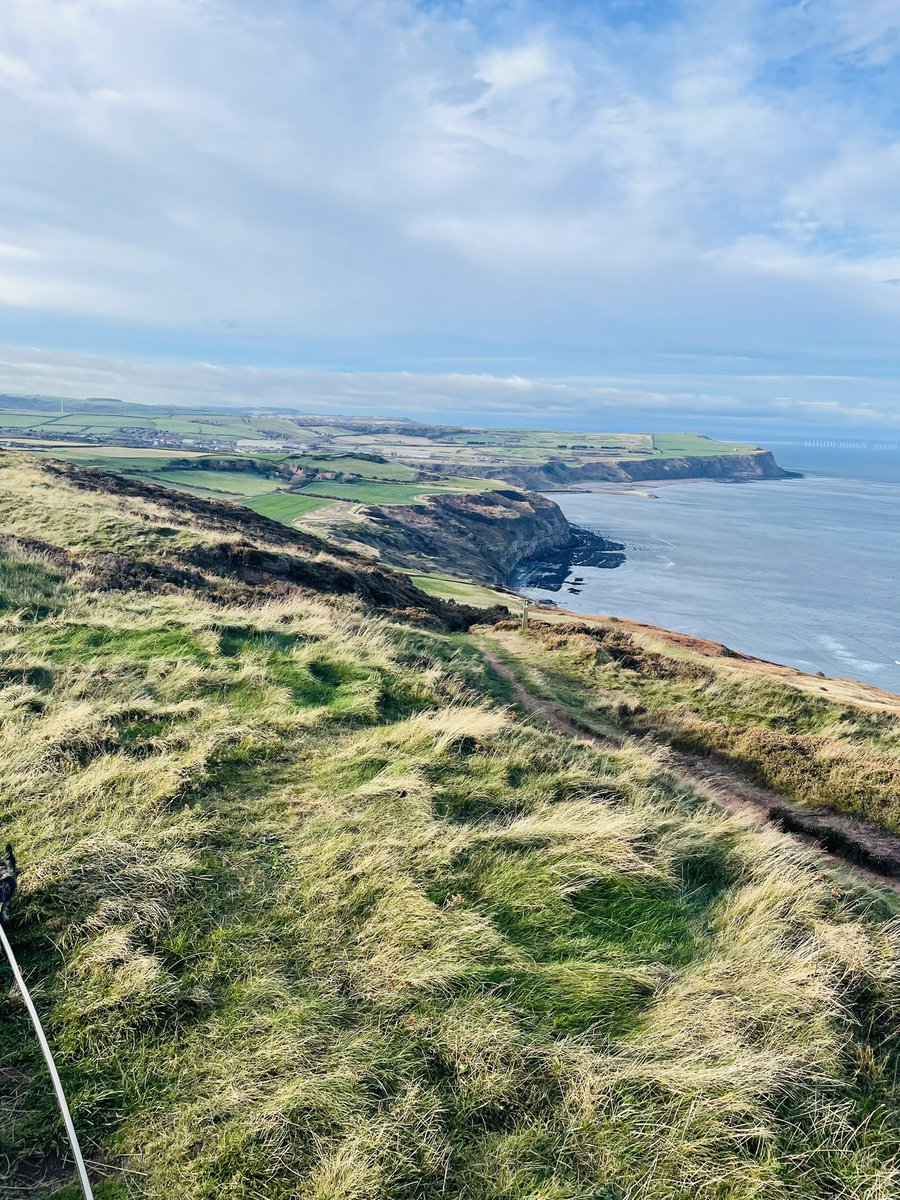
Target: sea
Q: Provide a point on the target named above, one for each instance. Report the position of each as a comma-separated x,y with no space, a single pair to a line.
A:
799,571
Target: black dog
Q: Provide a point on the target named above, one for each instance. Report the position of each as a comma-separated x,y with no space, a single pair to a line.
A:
8,877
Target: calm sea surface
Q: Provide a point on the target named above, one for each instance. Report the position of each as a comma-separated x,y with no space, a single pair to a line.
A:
800,571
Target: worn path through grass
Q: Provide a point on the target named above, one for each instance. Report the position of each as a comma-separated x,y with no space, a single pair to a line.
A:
849,841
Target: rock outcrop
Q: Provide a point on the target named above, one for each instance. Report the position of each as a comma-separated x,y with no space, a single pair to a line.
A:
481,535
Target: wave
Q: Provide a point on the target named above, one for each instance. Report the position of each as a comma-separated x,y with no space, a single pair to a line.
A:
845,655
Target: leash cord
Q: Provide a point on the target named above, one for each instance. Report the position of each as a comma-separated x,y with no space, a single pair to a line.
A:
51,1066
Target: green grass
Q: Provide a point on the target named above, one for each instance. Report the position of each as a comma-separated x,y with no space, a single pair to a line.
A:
286,506
13,420
678,444
236,483
359,466
466,593
308,919
369,493
815,750
397,493
100,421
204,428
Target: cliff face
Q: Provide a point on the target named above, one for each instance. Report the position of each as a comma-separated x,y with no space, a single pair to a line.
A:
758,465
482,535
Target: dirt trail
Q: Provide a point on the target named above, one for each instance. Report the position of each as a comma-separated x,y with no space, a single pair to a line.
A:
850,842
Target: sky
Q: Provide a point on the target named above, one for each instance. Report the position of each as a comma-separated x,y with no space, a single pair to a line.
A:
594,213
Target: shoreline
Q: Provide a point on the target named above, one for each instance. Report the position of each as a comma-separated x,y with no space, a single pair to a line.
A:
551,569
776,573
640,487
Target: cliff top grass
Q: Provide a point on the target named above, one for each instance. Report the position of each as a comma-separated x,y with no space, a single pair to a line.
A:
308,913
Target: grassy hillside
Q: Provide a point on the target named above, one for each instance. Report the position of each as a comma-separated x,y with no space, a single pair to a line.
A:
310,915
261,481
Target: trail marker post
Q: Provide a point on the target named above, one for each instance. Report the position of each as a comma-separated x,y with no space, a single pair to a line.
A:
526,605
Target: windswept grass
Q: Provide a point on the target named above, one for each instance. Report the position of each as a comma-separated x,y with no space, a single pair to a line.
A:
308,914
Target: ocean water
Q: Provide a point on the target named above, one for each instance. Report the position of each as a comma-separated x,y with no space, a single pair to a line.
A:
800,571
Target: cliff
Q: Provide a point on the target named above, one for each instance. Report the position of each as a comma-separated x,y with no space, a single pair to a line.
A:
483,535
760,464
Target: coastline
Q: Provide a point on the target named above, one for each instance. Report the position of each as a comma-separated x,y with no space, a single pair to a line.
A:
551,568
777,572
519,537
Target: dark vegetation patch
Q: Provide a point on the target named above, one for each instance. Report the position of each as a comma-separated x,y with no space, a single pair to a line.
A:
260,568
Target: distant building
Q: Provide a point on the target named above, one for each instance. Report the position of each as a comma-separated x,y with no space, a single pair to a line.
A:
247,447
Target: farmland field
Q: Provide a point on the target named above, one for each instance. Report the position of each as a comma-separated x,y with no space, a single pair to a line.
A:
693,443
22,420
240,483
285,506
369,493
205,428
397,493
359,466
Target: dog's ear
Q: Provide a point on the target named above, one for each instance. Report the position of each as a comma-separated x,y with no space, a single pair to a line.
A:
10,855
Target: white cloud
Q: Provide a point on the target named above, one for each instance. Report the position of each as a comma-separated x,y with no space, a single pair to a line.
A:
353,175
515,68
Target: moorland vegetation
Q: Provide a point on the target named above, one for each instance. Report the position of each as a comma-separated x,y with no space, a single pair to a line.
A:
313,910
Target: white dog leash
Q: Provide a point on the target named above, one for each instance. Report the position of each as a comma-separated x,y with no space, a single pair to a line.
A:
51,1065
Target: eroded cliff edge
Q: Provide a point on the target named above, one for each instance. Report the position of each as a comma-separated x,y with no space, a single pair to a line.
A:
480,535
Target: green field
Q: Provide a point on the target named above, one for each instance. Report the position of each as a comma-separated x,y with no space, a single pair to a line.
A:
286,506
369,493
678,444
397,493
238,483
205,428
466,593
359,466
11,420
191,489
97,421
114,458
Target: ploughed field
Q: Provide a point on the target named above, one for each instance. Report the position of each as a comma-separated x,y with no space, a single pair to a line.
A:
312,910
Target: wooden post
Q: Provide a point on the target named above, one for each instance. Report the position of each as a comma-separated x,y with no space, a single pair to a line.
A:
526,605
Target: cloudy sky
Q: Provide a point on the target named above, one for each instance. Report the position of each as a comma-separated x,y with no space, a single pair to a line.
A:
585,212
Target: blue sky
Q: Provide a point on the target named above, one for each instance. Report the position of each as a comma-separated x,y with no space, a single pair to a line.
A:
603,214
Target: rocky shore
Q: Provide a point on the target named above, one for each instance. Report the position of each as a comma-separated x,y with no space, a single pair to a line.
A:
478,535
551,569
